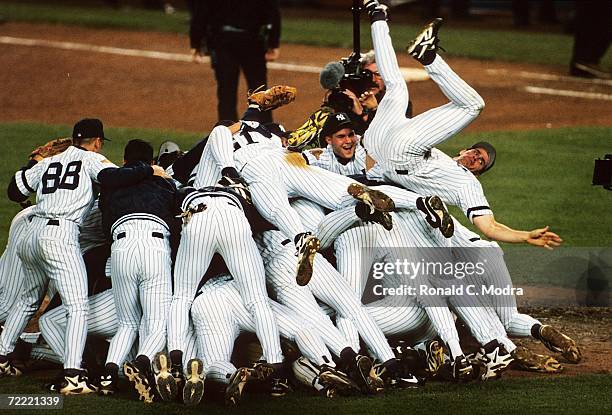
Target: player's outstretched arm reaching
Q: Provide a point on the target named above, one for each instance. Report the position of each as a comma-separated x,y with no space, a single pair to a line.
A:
502,233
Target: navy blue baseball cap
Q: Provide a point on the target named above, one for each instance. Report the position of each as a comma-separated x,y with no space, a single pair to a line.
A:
490,151
88,128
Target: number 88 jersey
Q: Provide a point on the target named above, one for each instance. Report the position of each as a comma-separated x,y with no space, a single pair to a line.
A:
63,183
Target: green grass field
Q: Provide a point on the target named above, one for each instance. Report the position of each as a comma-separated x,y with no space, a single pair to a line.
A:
540,395
514,46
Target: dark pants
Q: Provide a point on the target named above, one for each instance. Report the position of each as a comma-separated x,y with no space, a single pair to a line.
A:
593,25
233,52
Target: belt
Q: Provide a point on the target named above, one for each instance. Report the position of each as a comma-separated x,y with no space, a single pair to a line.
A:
53,222
159,235
285,242
402,172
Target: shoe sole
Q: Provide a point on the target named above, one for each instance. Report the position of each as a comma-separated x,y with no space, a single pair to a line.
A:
306,262
233,392
194,385
367,375
165,382
431,27
337,382
145,392
447,227
375,199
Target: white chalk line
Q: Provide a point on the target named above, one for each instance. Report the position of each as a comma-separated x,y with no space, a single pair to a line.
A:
547,77
568,93
410,74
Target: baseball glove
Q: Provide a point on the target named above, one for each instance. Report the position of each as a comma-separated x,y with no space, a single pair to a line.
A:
272,98
51,148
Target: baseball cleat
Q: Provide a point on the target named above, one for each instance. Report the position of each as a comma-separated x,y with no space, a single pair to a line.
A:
107,385
306,248
164,381
374,199
425,46
362,372
525,359
194,384
272,98
436,214
494,359
336,381
75,383
383,218
558,342
8,369
375,10
140,381
239,379
434,356
462,369
397,378
279,388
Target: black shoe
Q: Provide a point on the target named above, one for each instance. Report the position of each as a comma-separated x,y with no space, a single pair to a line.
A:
279,387
382,218
425,46
361,370
7,368
194,384
107,385
141,380
337,382
436,214
75,382
462,369
494,359
375,10
164,380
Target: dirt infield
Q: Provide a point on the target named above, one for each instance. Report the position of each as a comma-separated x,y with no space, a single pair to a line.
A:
51,85
59,86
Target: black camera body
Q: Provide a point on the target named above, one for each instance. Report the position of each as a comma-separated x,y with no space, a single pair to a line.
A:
602,174
355,79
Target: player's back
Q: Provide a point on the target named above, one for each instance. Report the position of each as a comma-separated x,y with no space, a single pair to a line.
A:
253,140
63,183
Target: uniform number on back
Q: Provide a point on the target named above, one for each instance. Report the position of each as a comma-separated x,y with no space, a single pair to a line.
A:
246,138
53,178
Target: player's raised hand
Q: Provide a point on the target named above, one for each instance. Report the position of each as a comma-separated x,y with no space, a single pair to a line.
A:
544,238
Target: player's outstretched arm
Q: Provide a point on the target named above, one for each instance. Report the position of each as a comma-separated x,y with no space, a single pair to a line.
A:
502,233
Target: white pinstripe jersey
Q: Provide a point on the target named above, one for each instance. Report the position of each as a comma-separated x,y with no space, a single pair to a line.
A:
327,160
92,233
63,183
252,140
441,175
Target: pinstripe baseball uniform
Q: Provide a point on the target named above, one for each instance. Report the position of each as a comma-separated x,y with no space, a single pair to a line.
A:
327,160
219,315
516,324
64,194
140,209
219,225
327,286
274,175
11,268
404,146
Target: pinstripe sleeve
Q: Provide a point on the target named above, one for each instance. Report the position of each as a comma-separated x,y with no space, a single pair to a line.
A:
473,201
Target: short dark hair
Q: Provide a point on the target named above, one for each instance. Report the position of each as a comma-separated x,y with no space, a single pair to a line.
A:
138,150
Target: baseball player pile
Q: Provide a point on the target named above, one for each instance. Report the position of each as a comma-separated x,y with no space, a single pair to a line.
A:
156,279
